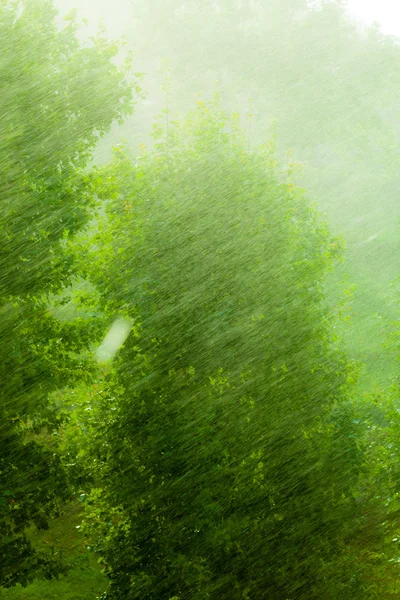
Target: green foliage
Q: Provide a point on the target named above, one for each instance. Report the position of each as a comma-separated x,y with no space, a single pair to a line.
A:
229,464
57,97
328,89
225,454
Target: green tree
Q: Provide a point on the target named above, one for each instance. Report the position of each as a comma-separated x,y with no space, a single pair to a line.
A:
57,97
329,91
229,454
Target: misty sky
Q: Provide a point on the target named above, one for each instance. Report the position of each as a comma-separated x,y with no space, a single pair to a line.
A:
386,12
118,12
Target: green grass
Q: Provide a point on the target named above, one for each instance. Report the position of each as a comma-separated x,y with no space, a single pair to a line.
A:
84,581
77,585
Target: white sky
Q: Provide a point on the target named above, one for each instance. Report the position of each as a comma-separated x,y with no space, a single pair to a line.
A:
117,13
386,12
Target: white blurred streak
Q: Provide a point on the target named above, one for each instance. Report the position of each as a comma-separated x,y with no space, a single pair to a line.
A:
114,339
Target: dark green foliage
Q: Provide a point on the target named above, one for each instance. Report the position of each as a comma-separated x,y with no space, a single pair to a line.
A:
230,460
57,96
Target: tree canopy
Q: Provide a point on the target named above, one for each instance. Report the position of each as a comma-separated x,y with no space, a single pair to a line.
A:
327,87
230,460
57,97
